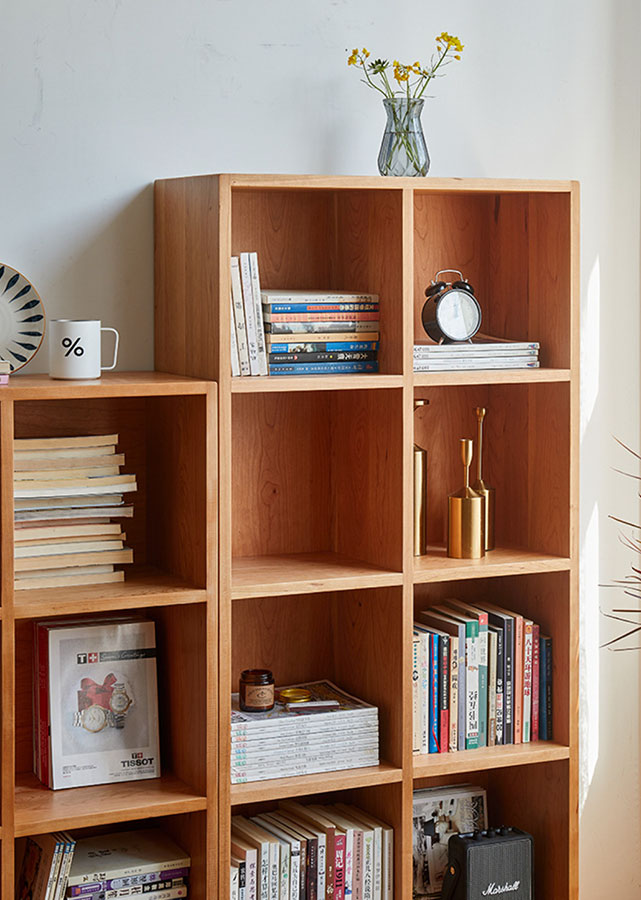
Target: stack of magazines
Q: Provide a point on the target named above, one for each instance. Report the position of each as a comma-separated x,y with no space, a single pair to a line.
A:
483,352
332,731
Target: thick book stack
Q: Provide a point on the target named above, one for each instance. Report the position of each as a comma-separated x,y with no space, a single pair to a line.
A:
294,332
66,493
105,867
300,739
320,333
95,701
483,352
300,852
438,814
482,677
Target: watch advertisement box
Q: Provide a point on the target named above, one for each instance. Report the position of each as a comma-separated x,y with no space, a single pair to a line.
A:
103,703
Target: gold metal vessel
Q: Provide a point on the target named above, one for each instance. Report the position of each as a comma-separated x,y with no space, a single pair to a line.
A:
466,515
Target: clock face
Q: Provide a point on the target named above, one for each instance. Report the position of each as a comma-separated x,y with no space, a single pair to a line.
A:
94,718
458,315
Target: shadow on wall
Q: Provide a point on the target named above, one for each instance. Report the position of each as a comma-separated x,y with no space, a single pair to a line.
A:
108,276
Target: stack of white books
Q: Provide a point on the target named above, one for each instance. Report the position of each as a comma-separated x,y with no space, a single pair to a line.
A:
66,492
303,738
483,352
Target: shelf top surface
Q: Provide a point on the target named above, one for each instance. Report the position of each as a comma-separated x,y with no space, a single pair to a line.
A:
111,384
427,185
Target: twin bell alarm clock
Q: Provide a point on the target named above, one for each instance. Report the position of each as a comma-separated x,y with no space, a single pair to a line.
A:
451,311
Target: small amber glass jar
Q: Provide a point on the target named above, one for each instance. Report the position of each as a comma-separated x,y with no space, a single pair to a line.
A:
256,690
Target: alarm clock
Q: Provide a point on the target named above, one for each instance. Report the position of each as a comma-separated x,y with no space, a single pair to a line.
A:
451,312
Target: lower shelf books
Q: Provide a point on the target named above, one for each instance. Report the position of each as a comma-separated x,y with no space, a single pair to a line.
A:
95,701
302,739
482,677
438,814
105,867
311,852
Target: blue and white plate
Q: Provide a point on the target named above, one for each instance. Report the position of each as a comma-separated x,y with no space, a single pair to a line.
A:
22,318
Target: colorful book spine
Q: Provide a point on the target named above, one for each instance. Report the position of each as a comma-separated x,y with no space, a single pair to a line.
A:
545,688
280,308
424,690
500,685
527,680
333,368
115,883
342,356
472,686
454,692
518,679
321,327
434,725
536,636
325,337
444,692
491,689
483,694
328,346
416,706
274,318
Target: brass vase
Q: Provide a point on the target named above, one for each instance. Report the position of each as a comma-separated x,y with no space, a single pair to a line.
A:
466,515
480,486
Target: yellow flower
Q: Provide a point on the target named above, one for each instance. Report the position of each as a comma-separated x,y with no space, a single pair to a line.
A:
365,52
457,56
353,58
401,73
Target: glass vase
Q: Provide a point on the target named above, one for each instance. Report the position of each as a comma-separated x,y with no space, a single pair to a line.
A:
403,148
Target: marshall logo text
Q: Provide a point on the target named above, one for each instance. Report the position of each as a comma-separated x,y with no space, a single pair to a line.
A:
493,889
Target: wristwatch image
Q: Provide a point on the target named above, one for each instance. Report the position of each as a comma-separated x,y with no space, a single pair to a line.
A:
93,718
103,705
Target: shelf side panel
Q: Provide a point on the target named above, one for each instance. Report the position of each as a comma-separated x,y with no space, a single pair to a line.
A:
188,247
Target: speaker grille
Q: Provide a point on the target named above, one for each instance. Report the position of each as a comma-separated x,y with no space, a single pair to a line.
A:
500,870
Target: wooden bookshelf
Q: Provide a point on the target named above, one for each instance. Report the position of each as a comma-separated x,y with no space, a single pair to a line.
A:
167,430
316,573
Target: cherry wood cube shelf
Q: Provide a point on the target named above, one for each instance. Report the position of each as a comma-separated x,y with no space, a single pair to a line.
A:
167,429
316,572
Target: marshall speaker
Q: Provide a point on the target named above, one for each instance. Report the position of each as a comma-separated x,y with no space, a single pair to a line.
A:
493,863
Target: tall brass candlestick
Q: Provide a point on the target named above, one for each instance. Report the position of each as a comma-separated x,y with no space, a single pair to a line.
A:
480,486
420,494
466,515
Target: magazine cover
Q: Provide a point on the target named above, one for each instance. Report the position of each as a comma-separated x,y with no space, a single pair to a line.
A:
103,703
281,716
438,814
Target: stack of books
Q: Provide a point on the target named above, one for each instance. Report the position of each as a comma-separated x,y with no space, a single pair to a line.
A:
482,677
125,864
439,813
330,732
292,332
95,701
483,352
304,852
67,491
320,333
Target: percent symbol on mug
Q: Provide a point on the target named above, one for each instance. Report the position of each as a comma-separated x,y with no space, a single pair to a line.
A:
72,345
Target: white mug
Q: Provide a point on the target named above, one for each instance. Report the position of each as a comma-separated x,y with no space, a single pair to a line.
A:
74,348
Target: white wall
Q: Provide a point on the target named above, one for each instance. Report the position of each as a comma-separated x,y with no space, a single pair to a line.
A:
100,97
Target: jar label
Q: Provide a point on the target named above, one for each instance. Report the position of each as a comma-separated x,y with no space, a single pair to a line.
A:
259,695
